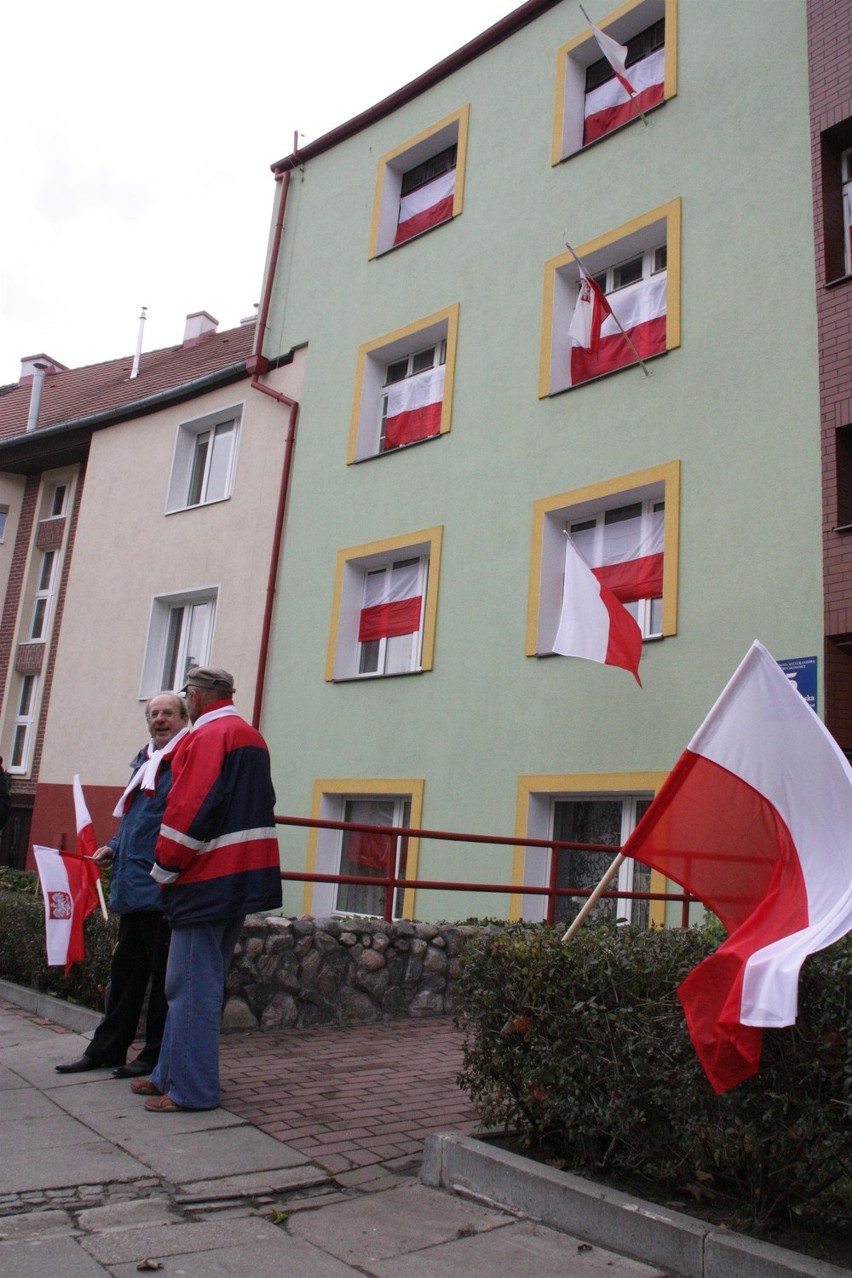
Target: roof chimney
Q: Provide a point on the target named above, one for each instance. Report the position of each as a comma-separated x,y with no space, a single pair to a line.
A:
40,370
30,362
134,372
199,324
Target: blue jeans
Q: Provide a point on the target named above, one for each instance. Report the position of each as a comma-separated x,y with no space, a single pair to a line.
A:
199,958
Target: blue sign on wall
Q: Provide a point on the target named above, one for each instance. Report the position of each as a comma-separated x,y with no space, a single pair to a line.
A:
802,673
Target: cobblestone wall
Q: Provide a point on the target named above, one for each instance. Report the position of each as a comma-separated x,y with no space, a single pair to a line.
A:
302,972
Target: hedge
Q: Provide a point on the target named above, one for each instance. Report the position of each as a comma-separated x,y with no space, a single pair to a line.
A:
582,1049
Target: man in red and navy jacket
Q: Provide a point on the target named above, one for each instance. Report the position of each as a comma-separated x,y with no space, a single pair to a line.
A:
217,860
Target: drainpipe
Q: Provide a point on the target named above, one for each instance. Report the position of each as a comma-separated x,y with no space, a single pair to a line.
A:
257,365
39,373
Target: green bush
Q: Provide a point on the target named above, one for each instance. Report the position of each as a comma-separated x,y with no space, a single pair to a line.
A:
582,1048
23,957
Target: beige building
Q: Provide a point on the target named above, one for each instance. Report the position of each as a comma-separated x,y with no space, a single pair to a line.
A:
141,539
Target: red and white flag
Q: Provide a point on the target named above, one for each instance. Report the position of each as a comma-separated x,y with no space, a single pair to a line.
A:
614,53
847,224
414,407
626,554
68,887
755,820
87,844
590,310
426,206
593,624
611,104
392,603
640,309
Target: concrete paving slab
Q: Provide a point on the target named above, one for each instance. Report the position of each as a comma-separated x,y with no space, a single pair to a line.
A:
177,1154
9,1080
132,1213
253,1184
25,1102
522,1248
109,1106
60,1256
205,1239
282,1256
45,1131
35,1225
382,1226
59,1168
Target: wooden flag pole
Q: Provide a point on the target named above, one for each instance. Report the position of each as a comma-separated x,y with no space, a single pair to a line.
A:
633,97
100,892
628,339
592,901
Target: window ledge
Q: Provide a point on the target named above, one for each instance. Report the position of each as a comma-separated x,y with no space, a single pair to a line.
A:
368,678
841,279
842,528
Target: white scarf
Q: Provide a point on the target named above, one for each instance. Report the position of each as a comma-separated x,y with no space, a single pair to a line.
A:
145,777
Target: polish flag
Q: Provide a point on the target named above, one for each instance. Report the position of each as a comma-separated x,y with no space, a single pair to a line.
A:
426,207
414,408
755,821
593,624
87,844
611,104
631,563
590,310
392,603
641,310
68,888
615,55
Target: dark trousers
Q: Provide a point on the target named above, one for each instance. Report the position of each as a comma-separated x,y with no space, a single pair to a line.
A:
140,956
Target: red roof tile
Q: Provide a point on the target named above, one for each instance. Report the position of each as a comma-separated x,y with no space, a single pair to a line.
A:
81,392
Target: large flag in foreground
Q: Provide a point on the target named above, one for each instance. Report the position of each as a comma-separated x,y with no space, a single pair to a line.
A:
593,624
68,888
755,820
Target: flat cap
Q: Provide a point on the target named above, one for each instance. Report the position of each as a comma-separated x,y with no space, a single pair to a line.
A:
209,677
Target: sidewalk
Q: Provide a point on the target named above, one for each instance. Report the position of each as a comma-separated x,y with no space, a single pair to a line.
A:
92,1184
312,1168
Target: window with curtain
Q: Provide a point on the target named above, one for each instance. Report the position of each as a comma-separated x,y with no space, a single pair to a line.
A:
605,821
372,854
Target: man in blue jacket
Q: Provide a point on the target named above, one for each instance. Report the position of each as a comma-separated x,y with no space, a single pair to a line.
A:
217,859
142,950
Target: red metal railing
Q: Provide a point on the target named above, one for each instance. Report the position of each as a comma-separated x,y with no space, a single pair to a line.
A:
390,882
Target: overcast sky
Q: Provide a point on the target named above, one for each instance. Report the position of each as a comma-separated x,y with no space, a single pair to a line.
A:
137,142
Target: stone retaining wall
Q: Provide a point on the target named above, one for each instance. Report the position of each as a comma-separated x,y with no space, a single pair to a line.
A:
302,972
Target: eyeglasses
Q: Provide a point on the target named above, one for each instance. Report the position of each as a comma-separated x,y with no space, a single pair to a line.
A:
162,714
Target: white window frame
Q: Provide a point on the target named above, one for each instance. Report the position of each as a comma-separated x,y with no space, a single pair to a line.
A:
405,654
4,520
164,613
366,434
846,188
23,725
183,469
395,164
43,596
400,817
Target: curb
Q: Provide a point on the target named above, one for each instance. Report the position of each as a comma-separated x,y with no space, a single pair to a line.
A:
606,1217
71,1016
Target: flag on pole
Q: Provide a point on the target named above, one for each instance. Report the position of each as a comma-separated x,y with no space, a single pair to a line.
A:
593,624
615,55
637,312
755,820
86,842
590,310
610,105
67,885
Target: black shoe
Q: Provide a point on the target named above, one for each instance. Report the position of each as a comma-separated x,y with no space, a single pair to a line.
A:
133,1069
80,1066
